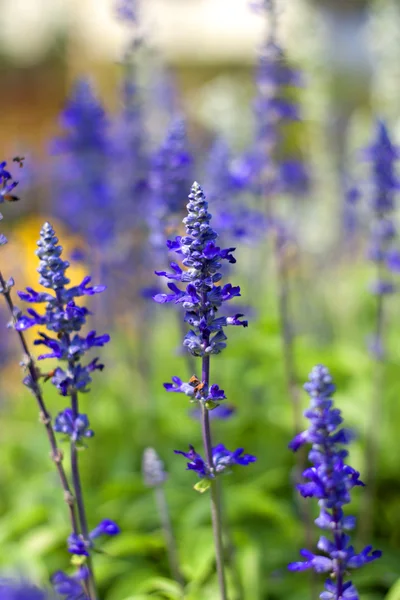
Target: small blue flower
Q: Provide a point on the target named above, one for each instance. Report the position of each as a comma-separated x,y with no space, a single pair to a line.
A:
76,545
105,527
223,459
196,390
70,586
76,429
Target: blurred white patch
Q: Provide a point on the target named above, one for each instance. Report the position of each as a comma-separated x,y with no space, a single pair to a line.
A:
197,30
28,28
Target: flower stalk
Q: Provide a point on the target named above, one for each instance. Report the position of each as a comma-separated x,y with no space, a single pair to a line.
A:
330,480
201,299
64,319
155,477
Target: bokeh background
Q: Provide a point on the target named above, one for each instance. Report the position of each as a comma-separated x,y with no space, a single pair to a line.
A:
196,59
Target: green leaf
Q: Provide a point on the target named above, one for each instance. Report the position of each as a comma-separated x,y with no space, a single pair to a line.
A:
171,589
202,485
210,404
394,592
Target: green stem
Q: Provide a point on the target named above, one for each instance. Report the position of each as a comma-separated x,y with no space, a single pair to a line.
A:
173,560
215,505
77,485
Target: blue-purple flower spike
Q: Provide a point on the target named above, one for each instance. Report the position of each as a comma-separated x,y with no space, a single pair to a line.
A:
330,480
62,317
201,298
383,155
83,168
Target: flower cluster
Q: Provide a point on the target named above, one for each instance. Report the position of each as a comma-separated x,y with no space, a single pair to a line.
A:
80,547
383,155
275,106
201,298
75,428
330,480
70,586
62,317
153,468
223,460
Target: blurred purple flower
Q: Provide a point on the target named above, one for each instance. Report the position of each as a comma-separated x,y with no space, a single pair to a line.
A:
21,590
169,179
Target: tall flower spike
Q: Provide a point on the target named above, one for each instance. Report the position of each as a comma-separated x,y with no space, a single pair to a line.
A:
383,252
64,318
84,196
20,591
330,480
129,135
383,155
275,107
201,298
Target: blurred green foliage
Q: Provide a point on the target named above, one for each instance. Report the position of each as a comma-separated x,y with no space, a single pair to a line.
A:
129,410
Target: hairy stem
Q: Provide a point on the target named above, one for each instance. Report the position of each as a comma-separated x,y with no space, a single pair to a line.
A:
173,560
45,416
215,497
77,485
230,549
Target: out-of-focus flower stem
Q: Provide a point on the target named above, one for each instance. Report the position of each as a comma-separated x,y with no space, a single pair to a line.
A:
373,426
173,560
215,496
